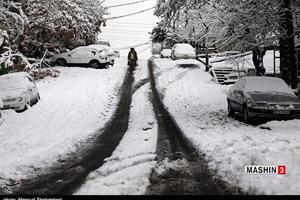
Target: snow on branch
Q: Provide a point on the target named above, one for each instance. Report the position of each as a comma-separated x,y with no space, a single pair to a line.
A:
228,24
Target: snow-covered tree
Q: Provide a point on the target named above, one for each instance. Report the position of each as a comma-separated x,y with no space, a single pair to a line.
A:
233,24
34,25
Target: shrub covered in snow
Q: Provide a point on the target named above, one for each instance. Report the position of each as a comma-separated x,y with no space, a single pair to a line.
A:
40,73
16,62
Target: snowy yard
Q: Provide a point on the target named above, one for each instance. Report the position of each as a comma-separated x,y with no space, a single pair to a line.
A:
199,107
72,107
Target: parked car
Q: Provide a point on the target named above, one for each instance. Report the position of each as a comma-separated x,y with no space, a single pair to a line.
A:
109,52
111,56
103,43
1,118
262,98
183,51
85,56
235,75
18,91
166,53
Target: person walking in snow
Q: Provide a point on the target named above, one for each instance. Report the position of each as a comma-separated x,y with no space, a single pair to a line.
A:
132,58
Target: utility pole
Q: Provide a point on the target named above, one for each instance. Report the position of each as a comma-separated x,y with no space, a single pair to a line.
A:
288,65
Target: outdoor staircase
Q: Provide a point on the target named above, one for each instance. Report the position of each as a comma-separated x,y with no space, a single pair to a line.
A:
219,73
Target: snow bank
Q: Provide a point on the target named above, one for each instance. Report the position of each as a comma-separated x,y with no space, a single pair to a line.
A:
199,106
72,107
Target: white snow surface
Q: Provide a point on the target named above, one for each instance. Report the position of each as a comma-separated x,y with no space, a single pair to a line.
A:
199,107
72,107
128,170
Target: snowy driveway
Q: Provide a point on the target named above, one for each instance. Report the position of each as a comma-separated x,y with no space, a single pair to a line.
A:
72,107
199,107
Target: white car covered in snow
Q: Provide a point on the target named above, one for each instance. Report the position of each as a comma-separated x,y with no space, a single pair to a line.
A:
85,56
109,52
18,91
166,53
183,51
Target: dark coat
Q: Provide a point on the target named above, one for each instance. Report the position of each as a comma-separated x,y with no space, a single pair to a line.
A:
134,55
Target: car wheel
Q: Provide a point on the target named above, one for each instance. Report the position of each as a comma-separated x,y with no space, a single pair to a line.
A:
61,62
231,112
94,64
246,117
27,105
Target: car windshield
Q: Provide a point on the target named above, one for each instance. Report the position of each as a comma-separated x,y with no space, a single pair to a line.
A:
258,84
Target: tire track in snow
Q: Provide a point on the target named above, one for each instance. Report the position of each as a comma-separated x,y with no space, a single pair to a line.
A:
69,173
181,170
128,170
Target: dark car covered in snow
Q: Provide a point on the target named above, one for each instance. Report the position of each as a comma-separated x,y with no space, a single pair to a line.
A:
263,98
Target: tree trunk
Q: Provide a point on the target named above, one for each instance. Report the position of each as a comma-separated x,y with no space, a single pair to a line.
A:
258,60
288,65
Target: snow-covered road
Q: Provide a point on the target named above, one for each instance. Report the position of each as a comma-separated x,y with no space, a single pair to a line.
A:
73,106
128,170
199,107
81,101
